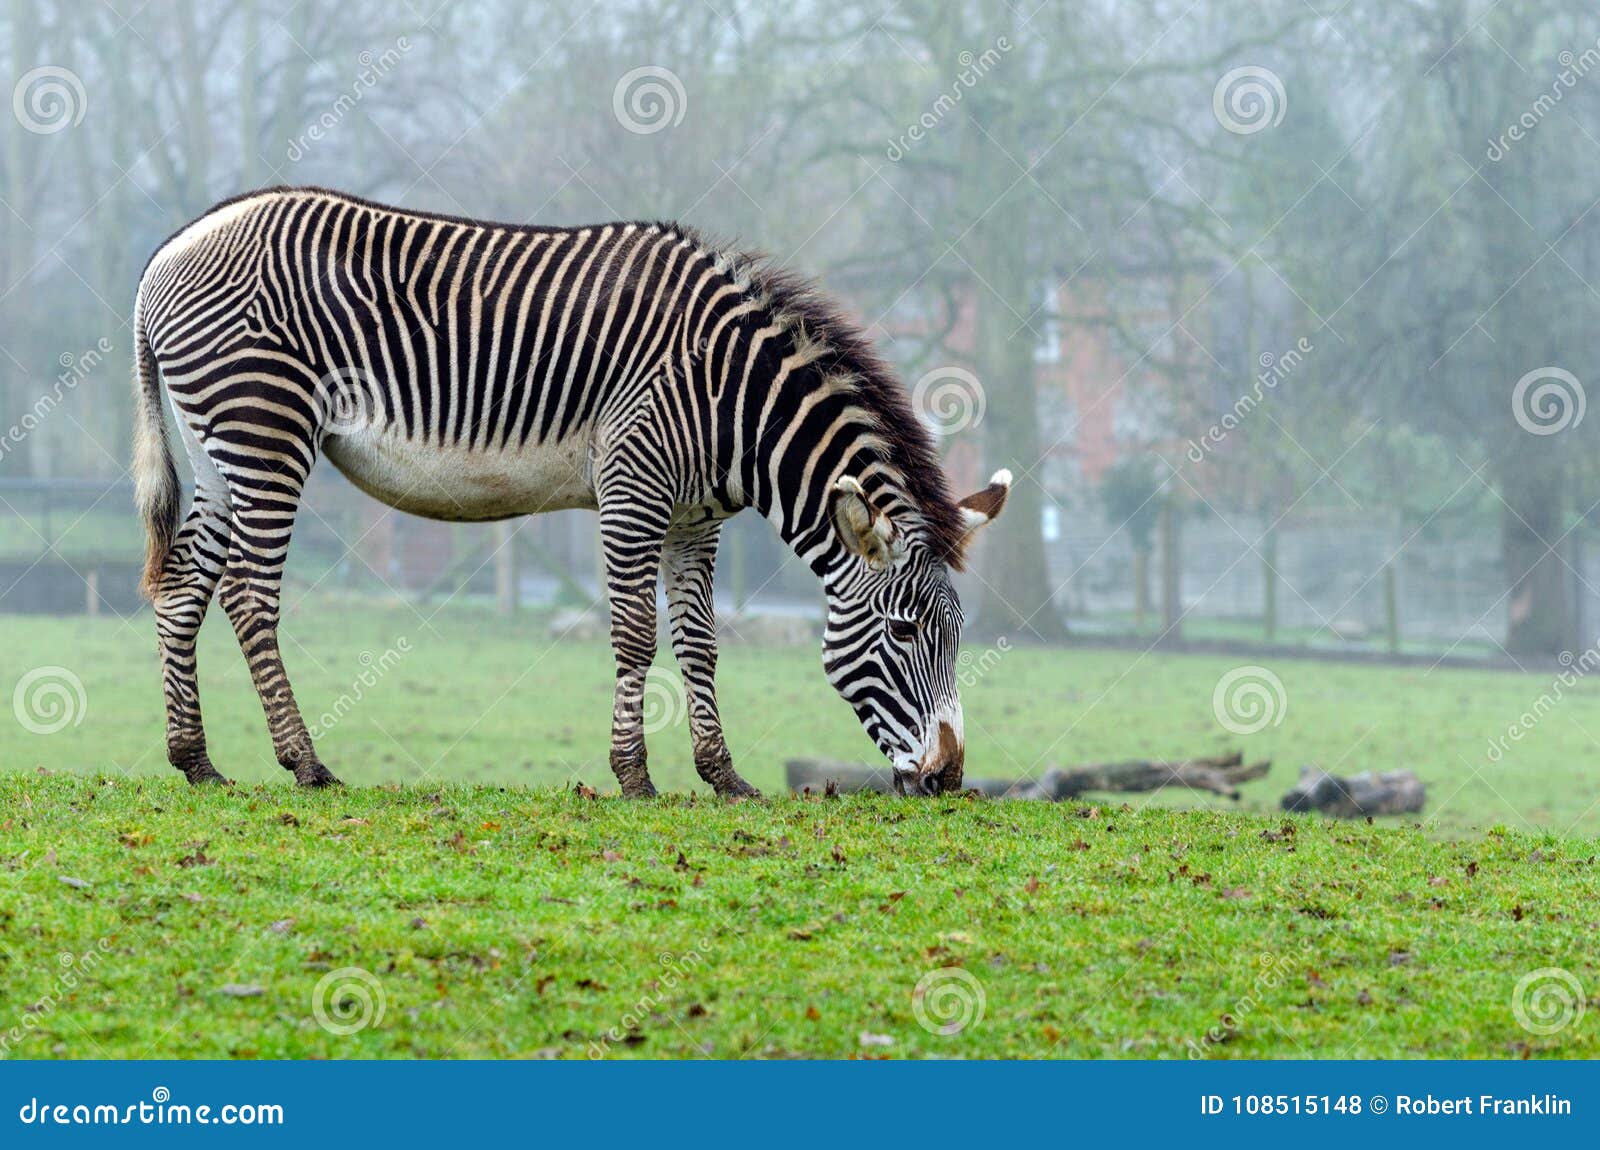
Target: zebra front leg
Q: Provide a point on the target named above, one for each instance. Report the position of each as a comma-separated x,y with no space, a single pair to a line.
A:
630,537
250,594
188,578
690,557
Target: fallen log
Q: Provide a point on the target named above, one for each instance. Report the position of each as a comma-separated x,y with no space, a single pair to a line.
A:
1356,796
1219,774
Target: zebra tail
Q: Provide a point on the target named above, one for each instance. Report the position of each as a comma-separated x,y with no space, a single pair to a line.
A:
155,475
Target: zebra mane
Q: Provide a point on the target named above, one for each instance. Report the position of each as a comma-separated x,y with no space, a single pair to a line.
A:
842,357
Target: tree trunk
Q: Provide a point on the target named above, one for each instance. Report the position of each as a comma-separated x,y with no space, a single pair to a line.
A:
1269,585
1537,609
1391,608
1141,588
1171,571
1017,594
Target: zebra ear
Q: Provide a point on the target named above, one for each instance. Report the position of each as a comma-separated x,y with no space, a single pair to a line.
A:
983,507
862,528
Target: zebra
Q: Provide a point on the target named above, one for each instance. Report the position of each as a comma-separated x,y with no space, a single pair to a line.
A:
473,371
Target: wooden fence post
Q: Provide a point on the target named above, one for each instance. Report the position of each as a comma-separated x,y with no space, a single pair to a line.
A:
1171,571
505,566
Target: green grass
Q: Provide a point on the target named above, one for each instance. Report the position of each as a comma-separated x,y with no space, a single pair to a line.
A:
477,699
509,922
501,914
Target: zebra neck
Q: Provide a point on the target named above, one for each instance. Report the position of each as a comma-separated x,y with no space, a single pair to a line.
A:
804,522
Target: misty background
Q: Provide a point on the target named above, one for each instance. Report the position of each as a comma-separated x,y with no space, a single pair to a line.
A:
1282,314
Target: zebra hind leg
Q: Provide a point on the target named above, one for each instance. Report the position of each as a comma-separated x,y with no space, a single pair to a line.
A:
250,593
188,579
691,554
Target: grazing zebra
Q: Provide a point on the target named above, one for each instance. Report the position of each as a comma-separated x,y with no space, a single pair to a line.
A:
473,371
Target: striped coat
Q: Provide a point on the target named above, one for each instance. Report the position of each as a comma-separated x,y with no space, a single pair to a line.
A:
473,371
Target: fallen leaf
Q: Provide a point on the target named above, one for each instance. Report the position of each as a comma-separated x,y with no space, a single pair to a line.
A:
242,990
870,1039
74,883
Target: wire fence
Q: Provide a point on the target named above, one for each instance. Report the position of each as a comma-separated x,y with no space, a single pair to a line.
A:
1317,581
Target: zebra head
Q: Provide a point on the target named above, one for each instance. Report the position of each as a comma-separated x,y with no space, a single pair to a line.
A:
894,632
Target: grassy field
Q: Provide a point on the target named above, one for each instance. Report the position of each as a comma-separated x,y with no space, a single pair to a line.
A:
475,904
465,697
143,918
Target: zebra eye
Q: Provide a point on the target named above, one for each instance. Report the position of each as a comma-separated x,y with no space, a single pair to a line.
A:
905,630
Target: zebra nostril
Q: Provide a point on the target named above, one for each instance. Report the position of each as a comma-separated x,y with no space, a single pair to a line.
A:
929,783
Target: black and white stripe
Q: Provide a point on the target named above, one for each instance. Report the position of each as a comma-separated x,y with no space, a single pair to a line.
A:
475,371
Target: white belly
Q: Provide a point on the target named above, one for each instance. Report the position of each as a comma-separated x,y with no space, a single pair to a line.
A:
457,484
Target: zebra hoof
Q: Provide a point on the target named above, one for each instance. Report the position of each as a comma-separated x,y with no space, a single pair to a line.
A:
205,775
644,789
314,774
736,788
